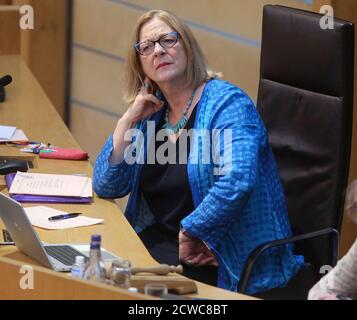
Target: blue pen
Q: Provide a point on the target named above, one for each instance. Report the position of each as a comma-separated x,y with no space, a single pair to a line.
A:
64,216
36,149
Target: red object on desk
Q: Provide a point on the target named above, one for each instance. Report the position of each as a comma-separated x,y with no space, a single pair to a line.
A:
63,154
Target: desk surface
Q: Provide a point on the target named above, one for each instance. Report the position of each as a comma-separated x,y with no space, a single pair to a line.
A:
28,108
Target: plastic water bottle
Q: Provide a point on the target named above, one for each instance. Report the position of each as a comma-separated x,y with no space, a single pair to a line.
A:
77,269
95,269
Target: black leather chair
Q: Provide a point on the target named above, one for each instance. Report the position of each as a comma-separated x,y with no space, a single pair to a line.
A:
306,102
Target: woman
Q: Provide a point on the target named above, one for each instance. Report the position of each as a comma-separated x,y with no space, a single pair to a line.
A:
208,214
341,282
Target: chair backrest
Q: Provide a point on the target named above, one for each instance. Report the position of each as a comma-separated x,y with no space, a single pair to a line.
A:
306,101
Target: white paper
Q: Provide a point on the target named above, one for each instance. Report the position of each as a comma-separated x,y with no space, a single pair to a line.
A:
6,132
87,190
39,215
19,135
51,185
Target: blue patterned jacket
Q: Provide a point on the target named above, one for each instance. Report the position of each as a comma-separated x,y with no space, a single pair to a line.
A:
234,212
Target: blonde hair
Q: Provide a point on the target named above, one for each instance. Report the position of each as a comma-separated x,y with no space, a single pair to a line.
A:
197,67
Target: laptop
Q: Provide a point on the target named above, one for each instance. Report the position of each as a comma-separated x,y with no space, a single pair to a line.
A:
58,257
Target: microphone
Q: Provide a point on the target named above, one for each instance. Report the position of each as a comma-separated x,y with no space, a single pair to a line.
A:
4,81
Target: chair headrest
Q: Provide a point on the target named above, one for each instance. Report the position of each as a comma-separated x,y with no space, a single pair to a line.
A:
291,37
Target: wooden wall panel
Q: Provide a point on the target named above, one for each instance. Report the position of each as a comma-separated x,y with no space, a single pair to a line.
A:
238,62
91,128
97,80
238,17
44,49
9,29
110,37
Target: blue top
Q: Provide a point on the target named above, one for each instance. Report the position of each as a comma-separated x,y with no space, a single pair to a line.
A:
237,194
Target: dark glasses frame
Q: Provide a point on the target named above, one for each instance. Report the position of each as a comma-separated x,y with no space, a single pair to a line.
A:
137,45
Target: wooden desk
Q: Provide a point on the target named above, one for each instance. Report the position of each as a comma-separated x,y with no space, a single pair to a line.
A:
28,108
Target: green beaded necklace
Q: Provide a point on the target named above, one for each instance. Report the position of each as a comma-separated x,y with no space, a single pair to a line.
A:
182,122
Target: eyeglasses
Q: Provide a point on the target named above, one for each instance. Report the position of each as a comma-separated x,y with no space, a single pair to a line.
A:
166,41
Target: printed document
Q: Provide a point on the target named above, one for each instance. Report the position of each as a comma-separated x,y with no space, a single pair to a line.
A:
51,185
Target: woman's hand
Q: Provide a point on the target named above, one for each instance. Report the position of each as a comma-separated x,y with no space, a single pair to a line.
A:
193,251
144,105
